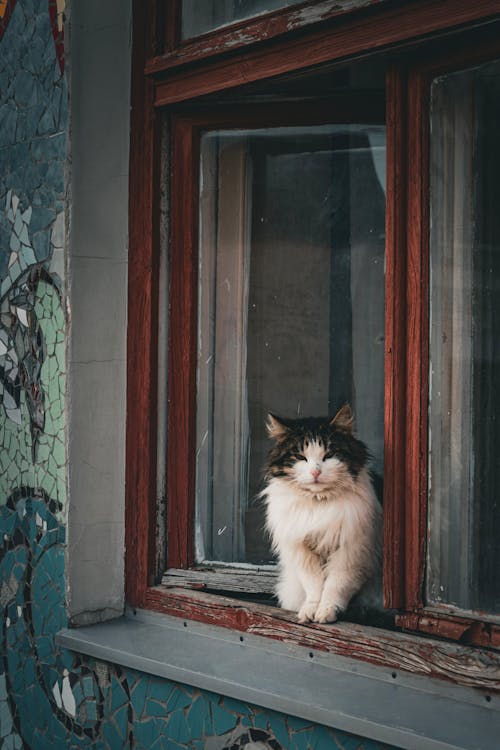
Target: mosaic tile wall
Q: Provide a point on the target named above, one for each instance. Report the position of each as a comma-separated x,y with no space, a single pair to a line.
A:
51,699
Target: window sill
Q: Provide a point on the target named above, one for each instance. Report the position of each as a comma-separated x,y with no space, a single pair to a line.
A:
394,707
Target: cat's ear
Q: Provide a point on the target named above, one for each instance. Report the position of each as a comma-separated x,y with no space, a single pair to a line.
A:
276,427
344,419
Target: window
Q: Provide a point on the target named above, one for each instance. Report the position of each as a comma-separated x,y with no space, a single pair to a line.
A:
271,293
464,350
277,154
290,306
458,490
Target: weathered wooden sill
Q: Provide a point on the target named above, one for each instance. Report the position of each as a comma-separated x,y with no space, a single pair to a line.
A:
461,628
256,584
245,580
416,654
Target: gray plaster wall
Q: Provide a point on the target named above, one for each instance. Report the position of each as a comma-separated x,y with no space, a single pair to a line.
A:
99,63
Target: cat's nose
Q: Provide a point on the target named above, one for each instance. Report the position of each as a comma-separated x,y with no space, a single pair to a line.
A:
315,473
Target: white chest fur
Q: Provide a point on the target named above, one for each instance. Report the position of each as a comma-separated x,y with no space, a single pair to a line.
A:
294,515
327,544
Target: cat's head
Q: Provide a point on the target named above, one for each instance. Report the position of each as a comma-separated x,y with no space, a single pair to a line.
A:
316,454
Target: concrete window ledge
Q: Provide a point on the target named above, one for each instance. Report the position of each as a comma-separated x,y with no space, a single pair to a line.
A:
408,711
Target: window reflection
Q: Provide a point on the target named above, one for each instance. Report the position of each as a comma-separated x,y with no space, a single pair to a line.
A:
291,307
464,433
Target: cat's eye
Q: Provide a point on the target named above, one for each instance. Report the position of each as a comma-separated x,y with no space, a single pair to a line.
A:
329,454
301,457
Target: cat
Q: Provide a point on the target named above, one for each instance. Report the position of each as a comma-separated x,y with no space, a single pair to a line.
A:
322,514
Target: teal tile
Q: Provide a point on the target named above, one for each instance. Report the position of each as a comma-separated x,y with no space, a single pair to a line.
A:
279,729
90,707
160,690
114,740
247,720
78,693
68,659
44,647
296,724
138,696
196,716
208,723
118,695
8,743
153,708
8,523
178,699
349,742
50,676
178,728
29,671
235,706
166,743
260,720
89,686
15,243
145,732
5,719
320,740
223,720
121,720
299,741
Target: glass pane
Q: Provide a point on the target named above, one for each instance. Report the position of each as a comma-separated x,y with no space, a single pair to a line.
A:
201,16
291,307
464,436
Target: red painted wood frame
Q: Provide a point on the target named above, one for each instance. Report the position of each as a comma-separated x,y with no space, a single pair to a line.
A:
405,471
379,25
256,29
407,387
324,25
183,307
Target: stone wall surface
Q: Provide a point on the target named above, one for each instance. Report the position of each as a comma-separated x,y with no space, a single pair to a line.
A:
50,698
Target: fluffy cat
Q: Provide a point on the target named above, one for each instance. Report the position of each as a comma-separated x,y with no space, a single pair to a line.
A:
322,514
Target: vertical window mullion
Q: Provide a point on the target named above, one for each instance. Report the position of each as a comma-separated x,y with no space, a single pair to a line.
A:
181,420
395,342
417,291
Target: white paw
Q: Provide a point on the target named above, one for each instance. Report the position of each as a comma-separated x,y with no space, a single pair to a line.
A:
326,613
307,612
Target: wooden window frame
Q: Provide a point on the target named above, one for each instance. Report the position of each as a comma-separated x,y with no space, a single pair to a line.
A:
159,83
408,393
171,50
182,364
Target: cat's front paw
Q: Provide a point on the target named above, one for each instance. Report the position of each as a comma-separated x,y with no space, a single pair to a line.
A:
326,613
307,613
